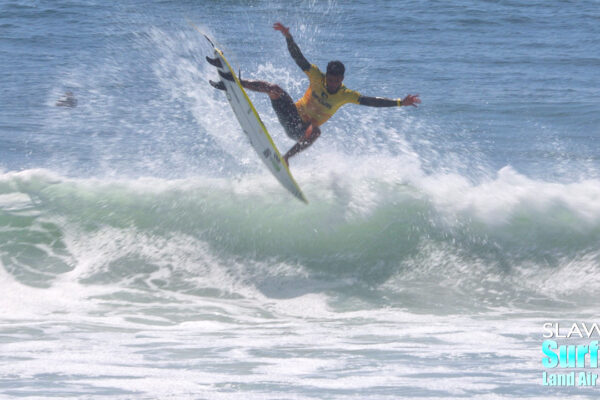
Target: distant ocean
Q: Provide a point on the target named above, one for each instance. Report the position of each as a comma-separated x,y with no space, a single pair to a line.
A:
146,253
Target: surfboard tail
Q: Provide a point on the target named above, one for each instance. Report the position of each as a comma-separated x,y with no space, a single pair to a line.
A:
202,33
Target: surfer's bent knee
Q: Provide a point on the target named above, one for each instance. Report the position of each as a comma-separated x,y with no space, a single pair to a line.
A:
311,134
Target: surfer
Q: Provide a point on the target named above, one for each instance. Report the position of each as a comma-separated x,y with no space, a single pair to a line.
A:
326,93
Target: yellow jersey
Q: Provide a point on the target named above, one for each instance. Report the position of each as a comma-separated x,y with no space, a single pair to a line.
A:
318,105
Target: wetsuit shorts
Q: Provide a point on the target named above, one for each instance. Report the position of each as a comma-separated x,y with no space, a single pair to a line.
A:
288,116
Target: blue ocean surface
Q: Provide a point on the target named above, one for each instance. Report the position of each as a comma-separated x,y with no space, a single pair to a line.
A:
145,251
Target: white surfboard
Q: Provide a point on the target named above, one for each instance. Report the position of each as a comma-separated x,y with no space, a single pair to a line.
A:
254,128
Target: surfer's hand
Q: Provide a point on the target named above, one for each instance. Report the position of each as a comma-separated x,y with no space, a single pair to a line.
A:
278,26
411,100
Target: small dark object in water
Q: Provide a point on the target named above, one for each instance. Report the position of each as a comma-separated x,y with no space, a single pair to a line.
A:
67,100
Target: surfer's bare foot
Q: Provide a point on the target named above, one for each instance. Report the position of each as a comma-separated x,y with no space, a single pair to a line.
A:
285,158
217,85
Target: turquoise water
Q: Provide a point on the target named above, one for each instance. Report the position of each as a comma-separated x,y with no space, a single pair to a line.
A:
146,253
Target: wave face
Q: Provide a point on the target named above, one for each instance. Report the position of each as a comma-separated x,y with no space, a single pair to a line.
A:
382,238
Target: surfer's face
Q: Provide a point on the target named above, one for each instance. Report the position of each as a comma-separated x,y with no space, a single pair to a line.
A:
333,82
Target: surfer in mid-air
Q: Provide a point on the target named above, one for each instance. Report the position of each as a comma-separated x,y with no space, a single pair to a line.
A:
325,94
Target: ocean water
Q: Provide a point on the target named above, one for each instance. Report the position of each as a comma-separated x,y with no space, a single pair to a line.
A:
146,253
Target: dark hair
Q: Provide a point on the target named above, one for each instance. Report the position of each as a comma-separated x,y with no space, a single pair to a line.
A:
336,68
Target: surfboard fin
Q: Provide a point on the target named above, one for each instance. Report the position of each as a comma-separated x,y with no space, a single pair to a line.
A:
226,75
217,85
214,62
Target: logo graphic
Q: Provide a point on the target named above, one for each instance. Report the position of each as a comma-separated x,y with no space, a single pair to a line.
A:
321,99
577,363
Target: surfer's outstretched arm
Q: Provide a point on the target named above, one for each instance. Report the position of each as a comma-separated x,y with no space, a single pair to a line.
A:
293,47
410,100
